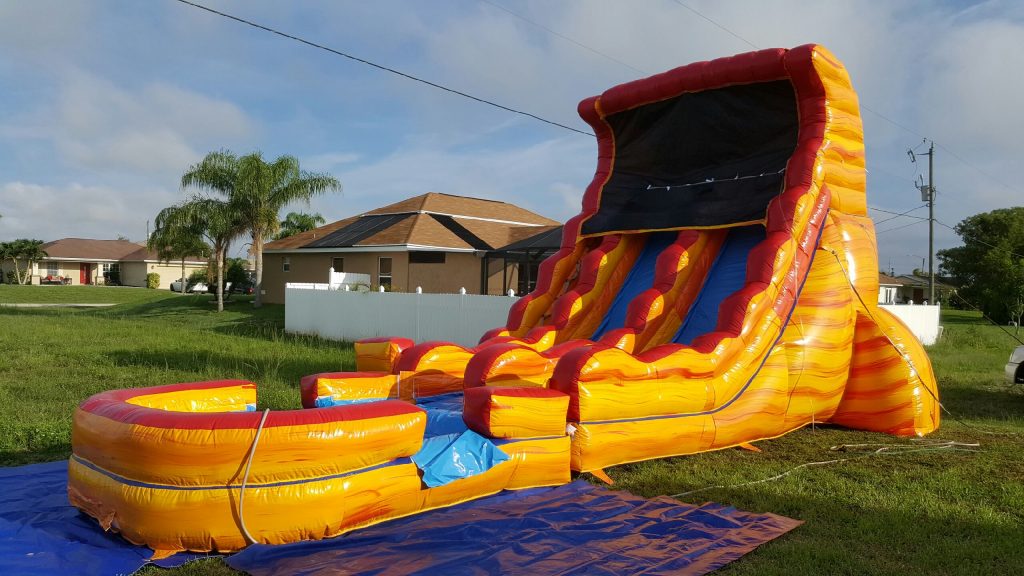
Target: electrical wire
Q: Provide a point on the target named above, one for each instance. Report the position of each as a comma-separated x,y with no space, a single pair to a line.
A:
381,67
901,227
980,241
898,215
719,26
245,479
564,37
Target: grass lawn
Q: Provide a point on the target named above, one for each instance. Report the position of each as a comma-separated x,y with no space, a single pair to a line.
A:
52,294
916,513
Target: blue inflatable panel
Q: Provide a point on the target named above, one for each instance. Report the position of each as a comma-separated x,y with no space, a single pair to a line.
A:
573,529
41,533
726,276
444,414
640,278
444,459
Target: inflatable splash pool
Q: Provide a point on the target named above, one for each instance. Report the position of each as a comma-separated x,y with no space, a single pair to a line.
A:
717,288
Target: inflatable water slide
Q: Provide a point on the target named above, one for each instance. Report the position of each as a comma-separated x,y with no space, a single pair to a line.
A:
718,287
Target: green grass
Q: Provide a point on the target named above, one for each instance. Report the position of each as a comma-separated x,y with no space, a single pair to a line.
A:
56,294
919,513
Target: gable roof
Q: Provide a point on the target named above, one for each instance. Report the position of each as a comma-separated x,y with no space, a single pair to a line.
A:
432,220
114,250
886,280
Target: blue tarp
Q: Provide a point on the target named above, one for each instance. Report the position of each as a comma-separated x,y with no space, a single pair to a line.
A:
40,533
573,529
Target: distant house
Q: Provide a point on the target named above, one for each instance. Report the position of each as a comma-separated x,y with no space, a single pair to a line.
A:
888,289
87,261
915,289
438,242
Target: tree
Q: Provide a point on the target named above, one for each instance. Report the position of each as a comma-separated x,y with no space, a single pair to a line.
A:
990,265
177,239
257,191
22,250
296,222
213,220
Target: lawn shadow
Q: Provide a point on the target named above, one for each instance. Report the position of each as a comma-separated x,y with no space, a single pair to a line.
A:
889,542
1004,402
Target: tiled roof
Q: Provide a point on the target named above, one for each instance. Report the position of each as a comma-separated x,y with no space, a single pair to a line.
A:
89,249
464,206
886,280
433,219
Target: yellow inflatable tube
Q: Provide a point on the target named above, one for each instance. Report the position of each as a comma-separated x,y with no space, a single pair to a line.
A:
165,467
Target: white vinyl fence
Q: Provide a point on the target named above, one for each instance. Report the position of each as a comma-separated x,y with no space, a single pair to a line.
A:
350,315
923,320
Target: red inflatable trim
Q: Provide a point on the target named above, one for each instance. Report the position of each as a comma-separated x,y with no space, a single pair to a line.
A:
113,405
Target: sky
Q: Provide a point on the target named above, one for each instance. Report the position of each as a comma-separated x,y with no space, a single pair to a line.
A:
106,103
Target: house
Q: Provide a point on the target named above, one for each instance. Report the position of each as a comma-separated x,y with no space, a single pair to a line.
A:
433,241
888,289
916,288
87,261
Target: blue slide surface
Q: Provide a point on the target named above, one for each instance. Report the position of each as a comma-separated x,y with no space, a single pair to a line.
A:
725,277
640,278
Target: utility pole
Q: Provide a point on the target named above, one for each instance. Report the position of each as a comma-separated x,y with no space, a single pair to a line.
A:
928,195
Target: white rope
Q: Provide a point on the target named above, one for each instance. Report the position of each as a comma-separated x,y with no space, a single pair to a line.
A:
884,449
245,479
906,356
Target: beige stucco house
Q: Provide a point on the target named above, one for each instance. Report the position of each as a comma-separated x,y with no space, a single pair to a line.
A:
437,242
87,261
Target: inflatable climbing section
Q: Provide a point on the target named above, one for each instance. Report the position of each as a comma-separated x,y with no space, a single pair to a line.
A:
718,287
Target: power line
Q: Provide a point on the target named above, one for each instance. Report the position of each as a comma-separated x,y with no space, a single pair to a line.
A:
564,37
899,215
381,67
719,26
901,227
980,241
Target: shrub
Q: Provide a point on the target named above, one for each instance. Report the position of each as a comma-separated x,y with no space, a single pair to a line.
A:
152,280
199,277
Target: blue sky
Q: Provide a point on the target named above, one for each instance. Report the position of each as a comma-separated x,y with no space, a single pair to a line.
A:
106,103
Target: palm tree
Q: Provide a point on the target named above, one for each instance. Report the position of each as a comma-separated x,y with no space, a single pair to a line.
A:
209,219
257,191
296,222
173,239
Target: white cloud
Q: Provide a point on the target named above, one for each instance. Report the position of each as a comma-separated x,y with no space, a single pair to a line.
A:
157,129
77,210
328,162
533,177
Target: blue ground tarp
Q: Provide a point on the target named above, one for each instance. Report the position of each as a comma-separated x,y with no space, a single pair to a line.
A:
573,529
40,533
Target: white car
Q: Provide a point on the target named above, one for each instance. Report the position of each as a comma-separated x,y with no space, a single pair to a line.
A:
1014,370
197,287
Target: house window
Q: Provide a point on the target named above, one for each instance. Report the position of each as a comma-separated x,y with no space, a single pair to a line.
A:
111,273
338,264
424,257
52,268
286,264
384,273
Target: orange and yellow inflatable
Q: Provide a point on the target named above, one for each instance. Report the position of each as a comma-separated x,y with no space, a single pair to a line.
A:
717,288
